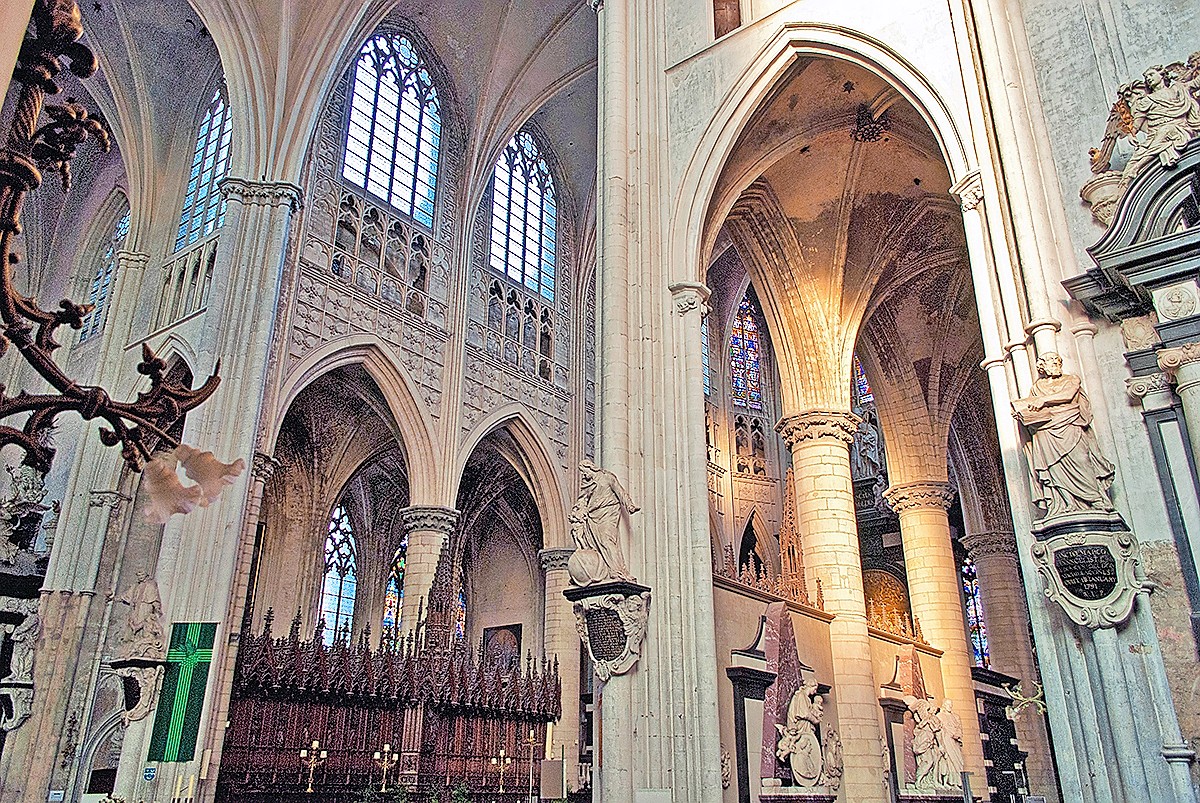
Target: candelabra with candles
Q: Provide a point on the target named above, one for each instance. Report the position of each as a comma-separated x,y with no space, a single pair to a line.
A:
533,744
385,759
312,757
502,761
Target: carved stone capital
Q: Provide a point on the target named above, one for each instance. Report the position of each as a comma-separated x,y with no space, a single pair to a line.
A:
263,467
991,544
261,193
1139,387
109,499
968,190
815,424
436,519
919,495
555,559
132,260
689,296
1173,359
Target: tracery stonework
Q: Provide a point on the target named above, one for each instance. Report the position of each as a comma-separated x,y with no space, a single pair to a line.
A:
815,424
919,495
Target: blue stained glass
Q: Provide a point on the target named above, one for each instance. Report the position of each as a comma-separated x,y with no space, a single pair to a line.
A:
341,580
862,388
393,594
744,364
460,611
524,217
393,132
704,356
976,628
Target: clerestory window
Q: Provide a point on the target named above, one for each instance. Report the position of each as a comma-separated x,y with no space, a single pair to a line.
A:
102,279
524,217
394,129
203,207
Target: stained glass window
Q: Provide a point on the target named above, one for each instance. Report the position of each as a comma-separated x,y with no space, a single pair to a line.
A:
341,581
744,355
976,629
704,358
394,131
203,207
862,388
460,611
524,217
101,286
393,593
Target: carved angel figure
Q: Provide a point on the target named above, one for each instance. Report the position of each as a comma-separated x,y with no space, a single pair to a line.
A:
144,636
926,743
1159,115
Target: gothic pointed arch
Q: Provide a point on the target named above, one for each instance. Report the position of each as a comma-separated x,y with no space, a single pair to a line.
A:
537,466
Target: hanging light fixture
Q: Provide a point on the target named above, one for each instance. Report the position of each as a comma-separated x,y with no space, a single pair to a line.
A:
44,137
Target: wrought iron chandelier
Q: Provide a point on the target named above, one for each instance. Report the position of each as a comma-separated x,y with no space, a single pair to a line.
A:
141,426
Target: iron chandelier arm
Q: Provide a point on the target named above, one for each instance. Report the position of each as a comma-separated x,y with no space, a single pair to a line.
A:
138,426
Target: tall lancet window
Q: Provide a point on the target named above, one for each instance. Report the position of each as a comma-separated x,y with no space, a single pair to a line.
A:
393,592
976,629
203,207
745,351
106,268
394,130
862,388
524,217
341,580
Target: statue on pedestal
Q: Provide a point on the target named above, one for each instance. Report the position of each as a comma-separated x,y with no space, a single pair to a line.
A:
1069,474
814,762
596,527
951,766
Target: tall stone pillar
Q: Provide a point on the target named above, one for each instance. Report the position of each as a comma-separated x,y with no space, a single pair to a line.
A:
1010,648
561,641
933,594
820,444
427,528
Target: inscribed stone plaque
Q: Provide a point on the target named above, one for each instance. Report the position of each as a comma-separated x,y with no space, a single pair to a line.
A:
606,633
1088,571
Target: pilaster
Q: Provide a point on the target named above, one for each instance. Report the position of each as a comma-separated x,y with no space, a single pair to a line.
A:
820,444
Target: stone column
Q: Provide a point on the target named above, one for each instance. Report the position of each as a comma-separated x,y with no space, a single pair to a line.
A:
1182,365
1010,648
820,444
427,529
14,19
561,640
933,580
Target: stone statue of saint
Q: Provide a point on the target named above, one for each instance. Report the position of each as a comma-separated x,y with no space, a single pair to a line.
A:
143,637
951,737
23,637
1165,118
926,745
798,743
596,527
1069,474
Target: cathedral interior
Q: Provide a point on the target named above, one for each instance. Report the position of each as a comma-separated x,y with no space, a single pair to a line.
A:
628,401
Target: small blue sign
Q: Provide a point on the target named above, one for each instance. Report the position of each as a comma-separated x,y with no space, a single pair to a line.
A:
148,773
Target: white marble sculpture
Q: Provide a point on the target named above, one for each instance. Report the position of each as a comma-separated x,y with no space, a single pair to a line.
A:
1159,114
596,527
143,637
814,762
925,744
950,766
17,686
1069,475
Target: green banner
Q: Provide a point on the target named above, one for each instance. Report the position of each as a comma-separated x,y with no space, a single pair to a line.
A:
177,721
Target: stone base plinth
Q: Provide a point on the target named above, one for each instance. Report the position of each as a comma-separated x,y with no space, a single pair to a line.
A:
794,794
941,796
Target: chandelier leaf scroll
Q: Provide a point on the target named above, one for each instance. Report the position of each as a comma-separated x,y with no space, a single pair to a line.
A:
44,137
